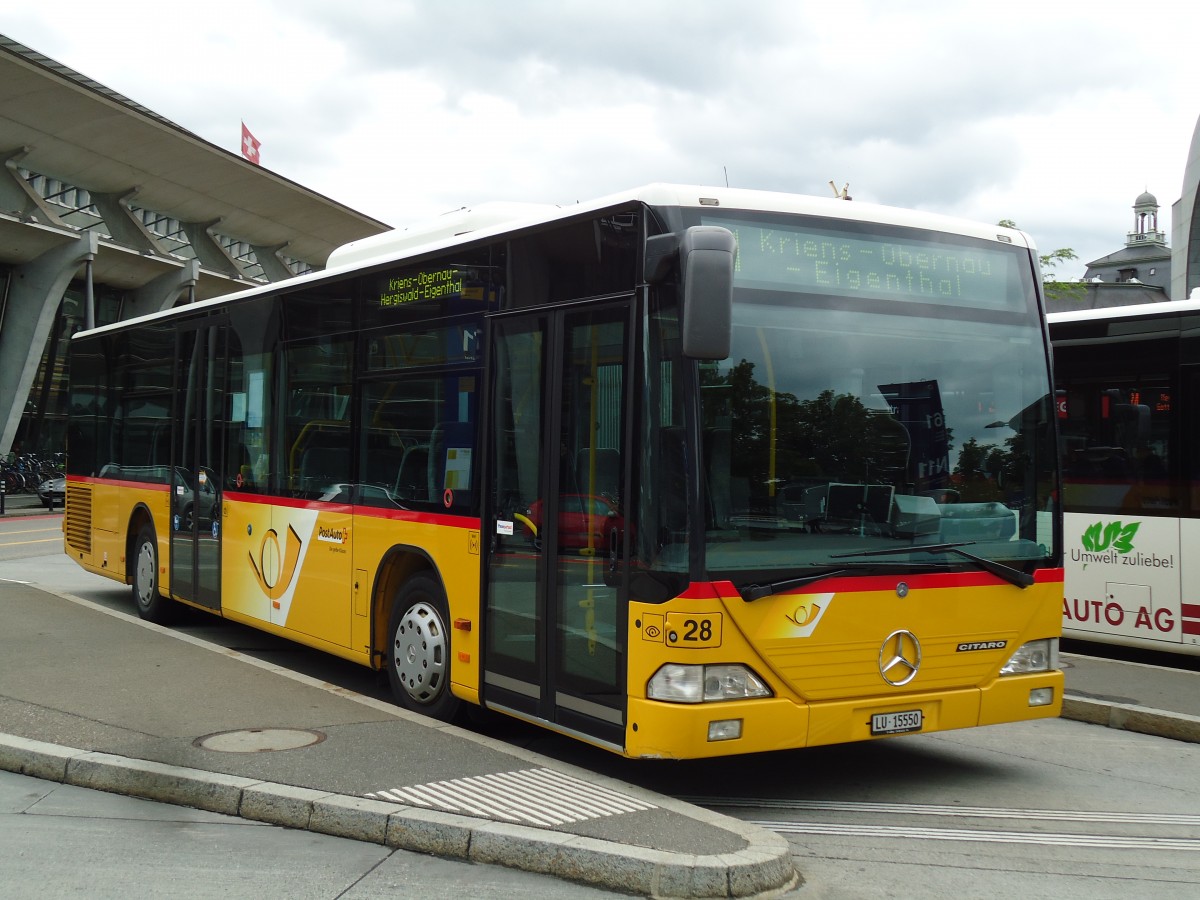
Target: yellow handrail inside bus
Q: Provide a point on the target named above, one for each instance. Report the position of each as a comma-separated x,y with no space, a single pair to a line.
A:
762,339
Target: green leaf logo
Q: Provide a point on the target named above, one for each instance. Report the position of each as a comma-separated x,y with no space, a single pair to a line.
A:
1099,537
1123,542
1111,532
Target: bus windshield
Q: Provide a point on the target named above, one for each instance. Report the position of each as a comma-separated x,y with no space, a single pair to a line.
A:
869,406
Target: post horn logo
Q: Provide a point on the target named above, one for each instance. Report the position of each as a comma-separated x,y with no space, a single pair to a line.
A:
273,577
805,613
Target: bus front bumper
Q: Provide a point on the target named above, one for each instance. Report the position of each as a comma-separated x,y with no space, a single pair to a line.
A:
659,730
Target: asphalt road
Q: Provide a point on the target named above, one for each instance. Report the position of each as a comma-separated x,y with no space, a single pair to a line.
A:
1057,808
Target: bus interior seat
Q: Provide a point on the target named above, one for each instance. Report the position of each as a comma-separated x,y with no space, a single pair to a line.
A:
321,467
411,478
382,467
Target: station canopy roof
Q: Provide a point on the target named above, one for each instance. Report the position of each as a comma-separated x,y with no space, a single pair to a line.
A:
62,125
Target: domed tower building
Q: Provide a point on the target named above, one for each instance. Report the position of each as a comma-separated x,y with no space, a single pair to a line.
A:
1140,272
1145,259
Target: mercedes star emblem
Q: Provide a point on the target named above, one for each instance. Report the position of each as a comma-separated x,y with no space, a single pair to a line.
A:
899,658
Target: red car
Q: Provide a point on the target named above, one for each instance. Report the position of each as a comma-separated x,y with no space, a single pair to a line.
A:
581,516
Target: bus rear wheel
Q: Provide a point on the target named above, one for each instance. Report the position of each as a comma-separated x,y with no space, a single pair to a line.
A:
151,605
419,650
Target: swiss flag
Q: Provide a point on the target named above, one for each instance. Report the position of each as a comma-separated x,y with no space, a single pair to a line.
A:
250,146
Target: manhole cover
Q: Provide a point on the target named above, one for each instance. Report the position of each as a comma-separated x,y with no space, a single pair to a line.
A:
258,740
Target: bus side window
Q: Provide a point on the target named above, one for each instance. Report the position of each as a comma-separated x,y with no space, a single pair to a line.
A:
450,450
382,465
324,465
672,466
718,458
412,476
238,468
605,463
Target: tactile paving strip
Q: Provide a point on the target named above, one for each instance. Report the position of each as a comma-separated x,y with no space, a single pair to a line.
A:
531,796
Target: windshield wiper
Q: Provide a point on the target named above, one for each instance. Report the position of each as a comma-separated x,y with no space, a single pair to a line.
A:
1000,570
752,592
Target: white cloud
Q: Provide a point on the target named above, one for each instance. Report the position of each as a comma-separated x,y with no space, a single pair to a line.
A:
1054,115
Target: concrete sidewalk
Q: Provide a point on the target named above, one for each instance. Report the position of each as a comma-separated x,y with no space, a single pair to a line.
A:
137,709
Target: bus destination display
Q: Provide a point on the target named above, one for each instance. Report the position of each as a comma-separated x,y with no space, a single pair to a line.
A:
436,284
817,260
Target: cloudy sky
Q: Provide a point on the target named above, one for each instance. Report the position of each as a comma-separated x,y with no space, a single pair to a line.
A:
1055,115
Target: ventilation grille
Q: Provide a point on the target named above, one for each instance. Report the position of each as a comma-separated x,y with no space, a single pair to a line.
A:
78,518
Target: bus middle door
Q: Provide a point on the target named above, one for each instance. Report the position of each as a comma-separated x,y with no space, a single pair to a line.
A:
197,464
555,620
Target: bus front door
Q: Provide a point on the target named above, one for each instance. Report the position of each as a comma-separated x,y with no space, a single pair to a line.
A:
555,623
196,471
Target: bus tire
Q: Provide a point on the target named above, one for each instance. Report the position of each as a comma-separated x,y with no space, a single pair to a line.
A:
419,650
151,605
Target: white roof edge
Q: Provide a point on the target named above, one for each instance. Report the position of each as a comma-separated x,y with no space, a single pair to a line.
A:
486,218
1165,307
449,225
497,218
829,207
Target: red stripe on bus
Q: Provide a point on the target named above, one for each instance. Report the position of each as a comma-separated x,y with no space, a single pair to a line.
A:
408,515
369,512
120,482
701,591
1189,622
289,502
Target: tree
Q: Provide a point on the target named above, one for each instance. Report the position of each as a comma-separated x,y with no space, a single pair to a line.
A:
1055,289
781,439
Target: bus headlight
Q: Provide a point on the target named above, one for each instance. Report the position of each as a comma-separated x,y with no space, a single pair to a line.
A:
1034,656
676,683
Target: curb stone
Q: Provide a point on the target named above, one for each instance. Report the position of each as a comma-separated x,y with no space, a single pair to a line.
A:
1156,722
764,868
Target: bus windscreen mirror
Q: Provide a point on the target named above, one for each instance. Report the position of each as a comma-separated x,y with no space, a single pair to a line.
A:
706,256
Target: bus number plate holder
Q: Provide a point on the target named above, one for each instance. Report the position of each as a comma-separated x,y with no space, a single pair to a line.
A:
897,722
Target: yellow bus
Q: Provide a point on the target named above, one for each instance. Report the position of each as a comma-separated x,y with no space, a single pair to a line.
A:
681,472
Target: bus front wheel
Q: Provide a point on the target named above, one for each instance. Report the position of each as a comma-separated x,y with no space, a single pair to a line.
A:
151,605
419,650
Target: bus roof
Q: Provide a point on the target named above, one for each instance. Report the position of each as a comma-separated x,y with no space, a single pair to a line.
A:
486,217
1166,307
496,219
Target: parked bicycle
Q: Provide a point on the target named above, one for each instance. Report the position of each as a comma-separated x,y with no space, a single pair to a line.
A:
24,472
